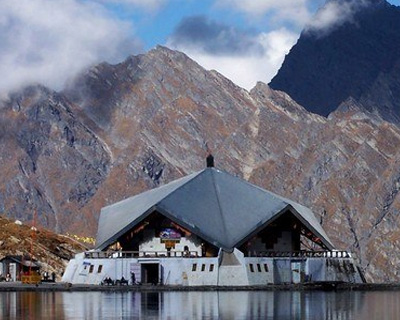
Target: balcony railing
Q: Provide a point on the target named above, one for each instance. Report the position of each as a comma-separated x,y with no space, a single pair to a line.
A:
141,254
302,254
194,254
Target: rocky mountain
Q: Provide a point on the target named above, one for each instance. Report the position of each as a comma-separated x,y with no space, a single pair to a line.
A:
51,250
358,59
52,163
121,129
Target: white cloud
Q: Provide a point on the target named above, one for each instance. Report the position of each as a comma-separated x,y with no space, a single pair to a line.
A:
246,70
151,5
289,10
49,41
247,67
334,14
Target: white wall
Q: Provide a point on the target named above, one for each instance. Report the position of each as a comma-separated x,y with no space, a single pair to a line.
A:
153,243
79,270
259,275
233,276
176,271
180,271
232,271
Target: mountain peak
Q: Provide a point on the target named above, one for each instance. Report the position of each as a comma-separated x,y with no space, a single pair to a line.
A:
346,57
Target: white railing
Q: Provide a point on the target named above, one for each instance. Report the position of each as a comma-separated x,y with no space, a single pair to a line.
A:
302,254
140,254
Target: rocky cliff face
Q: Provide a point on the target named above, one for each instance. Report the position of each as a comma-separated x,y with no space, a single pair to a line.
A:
51,162
121,129
359,59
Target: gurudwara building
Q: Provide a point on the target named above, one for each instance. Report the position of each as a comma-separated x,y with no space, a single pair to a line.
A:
211,229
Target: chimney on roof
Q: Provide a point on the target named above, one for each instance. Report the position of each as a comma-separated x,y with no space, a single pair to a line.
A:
210,161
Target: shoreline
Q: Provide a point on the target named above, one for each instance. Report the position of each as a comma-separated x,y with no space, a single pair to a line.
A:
67,287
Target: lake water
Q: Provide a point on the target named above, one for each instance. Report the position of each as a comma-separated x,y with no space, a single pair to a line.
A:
200,305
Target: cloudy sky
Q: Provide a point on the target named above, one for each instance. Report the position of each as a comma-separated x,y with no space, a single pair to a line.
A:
49,41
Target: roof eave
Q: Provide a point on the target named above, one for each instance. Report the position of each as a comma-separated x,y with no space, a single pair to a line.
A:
173,218
290,208
113,238
298,215
260,227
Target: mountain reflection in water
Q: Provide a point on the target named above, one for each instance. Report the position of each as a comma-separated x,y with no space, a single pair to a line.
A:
201,305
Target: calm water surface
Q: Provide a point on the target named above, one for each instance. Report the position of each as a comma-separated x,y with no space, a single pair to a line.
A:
200,305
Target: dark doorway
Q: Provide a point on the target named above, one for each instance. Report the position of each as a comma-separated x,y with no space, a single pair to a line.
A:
150,273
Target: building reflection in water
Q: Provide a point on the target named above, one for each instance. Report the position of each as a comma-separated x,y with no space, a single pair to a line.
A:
31,305
200,305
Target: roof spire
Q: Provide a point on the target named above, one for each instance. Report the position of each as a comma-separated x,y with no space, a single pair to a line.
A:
210,158
210,161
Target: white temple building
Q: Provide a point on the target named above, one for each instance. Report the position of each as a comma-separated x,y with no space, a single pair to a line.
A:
211,229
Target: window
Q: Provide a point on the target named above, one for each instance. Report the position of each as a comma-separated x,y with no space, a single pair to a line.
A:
203,267
100,268
91,268
265,267
258,267
194,267
251,267
211,267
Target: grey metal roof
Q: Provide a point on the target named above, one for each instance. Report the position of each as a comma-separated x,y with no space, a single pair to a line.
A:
218,207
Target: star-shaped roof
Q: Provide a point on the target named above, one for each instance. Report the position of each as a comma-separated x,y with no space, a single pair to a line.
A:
216,206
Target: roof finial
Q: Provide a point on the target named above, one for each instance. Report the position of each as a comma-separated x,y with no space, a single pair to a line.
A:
210,158
210,161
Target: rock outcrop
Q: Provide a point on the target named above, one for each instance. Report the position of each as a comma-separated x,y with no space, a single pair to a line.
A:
52,251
